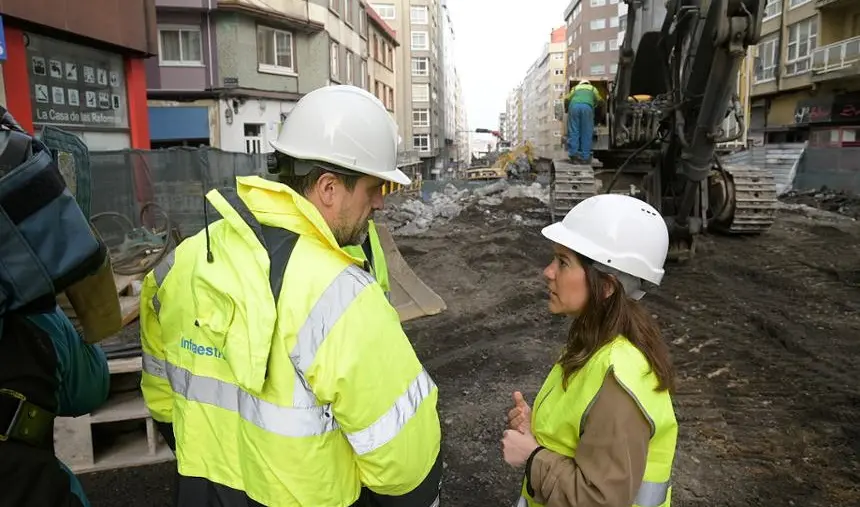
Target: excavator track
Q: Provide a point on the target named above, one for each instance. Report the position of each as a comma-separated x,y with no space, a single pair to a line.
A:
752,206
571,184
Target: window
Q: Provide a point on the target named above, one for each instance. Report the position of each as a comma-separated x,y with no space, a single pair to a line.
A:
180,46
558,72
598,69
613,69
333,5
613,44
420,66
796,3
274,50
597,24
362,22
570,40
334,60
558,57
420,118
598,46
385,11
598,3
419,15
350,71
346,14
570,59
365,82
421,93
801,41
622,23
253,137
613,21
420,41
772,8
765,68
559,87
421,142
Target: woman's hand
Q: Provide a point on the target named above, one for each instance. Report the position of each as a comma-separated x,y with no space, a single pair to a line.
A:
517,447
519,417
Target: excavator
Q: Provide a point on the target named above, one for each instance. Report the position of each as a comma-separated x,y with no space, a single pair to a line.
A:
664,126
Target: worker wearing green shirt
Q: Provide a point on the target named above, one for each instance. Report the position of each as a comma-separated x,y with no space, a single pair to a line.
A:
581,101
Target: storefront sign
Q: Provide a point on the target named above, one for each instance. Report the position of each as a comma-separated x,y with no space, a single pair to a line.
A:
839,109
75,86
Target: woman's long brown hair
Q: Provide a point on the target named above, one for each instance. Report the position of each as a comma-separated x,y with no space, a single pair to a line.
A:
604,318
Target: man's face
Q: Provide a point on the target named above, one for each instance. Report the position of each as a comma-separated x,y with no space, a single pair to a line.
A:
355,208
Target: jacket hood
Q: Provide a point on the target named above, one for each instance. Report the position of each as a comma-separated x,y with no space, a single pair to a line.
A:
232,295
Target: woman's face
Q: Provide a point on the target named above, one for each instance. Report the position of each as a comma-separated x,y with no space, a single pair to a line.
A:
567,283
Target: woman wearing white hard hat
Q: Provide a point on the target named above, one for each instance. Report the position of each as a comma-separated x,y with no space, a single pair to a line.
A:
603,430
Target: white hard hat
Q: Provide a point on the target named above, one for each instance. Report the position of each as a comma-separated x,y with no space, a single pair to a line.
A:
344,126
620,232
584,81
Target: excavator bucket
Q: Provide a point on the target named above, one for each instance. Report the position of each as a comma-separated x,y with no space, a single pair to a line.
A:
409,294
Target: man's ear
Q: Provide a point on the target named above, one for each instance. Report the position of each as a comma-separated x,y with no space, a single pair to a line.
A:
327,187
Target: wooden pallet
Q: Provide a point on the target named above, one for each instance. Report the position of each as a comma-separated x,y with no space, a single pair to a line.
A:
118,434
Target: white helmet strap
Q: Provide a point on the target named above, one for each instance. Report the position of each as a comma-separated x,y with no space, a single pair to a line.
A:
632,285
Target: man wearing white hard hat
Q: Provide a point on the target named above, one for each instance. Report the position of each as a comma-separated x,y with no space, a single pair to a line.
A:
273,352
602,431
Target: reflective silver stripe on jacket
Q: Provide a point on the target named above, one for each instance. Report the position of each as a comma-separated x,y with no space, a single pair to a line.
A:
161,270
284,421
651,494
390,423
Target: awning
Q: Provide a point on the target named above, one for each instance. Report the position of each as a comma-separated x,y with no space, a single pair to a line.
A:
177,123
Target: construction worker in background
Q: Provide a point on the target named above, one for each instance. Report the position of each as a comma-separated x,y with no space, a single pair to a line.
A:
581,101
603,430
370,250
274,354
46,368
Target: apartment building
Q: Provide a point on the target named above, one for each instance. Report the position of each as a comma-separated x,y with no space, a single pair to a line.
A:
806,84
555,92
514,116
503,126
229,73
77,72
419,91
382,47
463,156
592,38
449,91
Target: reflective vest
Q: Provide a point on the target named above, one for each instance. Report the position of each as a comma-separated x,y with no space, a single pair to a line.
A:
584,94
558,415
371,251
283,369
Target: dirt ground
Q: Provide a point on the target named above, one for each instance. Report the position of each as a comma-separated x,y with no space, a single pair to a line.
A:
765,334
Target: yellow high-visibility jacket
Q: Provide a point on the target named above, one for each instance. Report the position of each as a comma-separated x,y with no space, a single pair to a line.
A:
283,369
558,414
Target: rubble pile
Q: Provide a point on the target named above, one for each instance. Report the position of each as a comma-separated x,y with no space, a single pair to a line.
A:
835,201
414,216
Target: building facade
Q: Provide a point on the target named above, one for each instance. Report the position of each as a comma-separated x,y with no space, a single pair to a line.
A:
228,74
806,81
555,91
77,72
514,116
592,38
383,47
420,81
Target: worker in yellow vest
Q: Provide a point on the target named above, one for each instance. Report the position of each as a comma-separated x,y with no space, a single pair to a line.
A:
271,355
370,250
603,430
581,102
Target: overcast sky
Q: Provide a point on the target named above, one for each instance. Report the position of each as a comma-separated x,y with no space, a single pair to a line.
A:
496,43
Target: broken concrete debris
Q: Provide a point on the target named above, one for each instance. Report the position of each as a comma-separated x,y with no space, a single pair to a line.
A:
414,216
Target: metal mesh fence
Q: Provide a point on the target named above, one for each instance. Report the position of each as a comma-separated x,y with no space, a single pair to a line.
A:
176,179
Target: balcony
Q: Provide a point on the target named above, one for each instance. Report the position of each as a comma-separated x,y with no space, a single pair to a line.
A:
828,4
836,61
